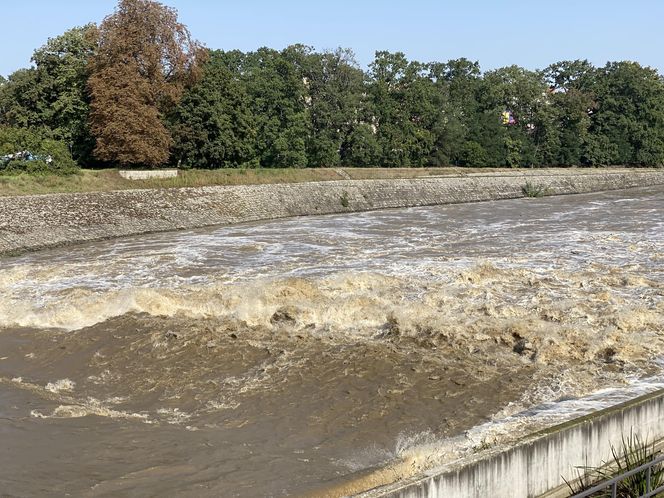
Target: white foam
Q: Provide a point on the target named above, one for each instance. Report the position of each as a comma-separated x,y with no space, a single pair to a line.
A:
60,385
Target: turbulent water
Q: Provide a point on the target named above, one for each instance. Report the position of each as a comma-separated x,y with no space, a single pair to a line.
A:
323,355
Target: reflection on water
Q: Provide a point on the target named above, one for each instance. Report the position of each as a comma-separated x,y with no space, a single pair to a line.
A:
296,355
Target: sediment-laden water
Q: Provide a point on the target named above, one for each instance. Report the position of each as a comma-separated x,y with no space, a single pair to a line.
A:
323,355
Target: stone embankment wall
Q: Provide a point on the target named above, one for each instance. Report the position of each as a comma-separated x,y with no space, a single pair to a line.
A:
36,222
537,465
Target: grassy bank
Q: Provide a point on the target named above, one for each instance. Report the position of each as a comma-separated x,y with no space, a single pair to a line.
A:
109,179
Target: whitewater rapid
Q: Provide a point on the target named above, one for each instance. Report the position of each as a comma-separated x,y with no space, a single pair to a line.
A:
196,330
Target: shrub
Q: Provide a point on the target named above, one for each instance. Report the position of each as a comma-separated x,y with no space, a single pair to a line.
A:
532,190
36,153
344,199
513,149
473,154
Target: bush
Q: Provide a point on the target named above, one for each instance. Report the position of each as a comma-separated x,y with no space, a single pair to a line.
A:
513,150
41,155
473,154
532,190
344,199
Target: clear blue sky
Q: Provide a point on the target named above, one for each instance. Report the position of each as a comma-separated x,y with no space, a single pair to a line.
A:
529,33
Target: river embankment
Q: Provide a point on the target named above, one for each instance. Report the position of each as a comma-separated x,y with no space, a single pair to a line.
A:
33,222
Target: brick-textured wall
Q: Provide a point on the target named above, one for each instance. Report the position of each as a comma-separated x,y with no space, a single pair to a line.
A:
35,222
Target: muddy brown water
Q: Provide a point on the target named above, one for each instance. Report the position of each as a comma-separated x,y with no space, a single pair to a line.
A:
322,355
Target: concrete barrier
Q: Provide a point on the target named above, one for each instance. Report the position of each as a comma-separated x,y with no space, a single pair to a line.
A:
148,174
536,465
39,221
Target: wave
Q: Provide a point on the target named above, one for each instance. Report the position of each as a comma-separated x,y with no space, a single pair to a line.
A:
600,314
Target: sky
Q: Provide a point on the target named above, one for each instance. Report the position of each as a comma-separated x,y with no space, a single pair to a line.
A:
532,34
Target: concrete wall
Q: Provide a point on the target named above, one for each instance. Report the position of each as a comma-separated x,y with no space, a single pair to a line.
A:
36,222
535,465
148,174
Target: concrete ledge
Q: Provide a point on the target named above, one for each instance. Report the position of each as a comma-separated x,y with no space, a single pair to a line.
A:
29,223
537,464
148,174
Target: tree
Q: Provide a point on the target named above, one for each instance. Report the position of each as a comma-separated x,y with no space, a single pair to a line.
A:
458,81
20,100
473,154
525,94
213,126
52,96
404,108
563,133
335,85
277,88
362,148
62,71
516,89
145,58
627,127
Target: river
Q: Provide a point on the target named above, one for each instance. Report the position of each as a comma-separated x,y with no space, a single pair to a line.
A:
323,355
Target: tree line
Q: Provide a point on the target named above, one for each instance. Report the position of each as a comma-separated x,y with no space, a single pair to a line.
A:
139,91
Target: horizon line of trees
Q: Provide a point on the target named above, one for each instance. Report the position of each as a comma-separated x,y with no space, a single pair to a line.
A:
139,91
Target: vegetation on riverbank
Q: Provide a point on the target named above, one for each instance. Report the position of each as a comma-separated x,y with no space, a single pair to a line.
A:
533,190
139,91
108,179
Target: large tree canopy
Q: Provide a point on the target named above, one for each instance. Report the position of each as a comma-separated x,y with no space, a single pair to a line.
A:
144,60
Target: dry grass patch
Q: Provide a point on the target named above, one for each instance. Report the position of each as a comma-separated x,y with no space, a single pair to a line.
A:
109,179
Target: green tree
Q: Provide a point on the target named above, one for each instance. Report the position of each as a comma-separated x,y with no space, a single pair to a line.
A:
62,71
525,94
408,111
335,85
276,87
213,126
459,80
628,125
53,95
563,134
362,148
567,75
21,100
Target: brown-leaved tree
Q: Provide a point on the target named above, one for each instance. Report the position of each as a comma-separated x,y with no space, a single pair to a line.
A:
144,60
